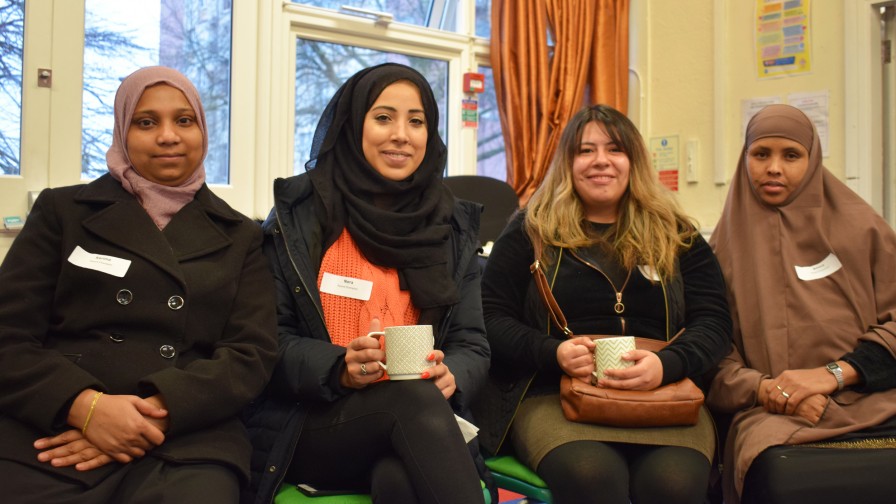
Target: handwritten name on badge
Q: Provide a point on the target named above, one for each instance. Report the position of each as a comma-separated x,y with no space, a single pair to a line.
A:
828,266
114,266
349,287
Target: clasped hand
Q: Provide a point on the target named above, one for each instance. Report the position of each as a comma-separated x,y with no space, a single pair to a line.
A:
797,392
122,428
576,358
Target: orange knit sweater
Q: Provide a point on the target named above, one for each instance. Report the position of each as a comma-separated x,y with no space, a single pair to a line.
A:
348,318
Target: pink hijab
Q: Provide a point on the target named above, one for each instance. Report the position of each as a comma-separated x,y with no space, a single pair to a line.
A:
161,202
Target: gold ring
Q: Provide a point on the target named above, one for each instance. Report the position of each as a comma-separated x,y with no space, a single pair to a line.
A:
779,388
785,394
363,368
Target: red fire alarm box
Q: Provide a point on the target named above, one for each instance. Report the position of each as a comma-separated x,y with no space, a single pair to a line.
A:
474,82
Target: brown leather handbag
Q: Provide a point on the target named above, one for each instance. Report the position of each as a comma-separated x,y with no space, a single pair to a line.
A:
677,403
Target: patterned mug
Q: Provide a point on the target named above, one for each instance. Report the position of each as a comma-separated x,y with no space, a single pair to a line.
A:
608,354
407,348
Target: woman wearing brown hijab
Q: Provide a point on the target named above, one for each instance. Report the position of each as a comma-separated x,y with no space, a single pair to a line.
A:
812,286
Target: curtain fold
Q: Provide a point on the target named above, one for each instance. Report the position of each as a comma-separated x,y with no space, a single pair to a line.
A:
540,84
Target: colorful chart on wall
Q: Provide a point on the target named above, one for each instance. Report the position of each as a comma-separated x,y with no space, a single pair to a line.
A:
783,44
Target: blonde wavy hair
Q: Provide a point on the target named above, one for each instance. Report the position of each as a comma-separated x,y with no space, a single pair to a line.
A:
651,229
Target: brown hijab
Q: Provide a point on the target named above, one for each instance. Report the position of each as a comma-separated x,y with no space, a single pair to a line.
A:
161,202
784,322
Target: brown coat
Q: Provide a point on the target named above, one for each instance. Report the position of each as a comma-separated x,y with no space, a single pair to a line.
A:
193,319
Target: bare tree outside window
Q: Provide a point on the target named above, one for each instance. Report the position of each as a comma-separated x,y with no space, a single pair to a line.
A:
192,36
490,153
12,37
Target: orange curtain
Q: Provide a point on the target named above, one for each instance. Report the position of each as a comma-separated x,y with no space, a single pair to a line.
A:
539,87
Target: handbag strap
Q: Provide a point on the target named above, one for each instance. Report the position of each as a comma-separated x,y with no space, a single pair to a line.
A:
556,314
544,289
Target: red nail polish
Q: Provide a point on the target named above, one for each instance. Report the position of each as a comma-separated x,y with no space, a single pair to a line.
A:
431,357
425,375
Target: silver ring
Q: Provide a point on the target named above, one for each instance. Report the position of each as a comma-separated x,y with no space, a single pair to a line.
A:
779,388
785,394
363,368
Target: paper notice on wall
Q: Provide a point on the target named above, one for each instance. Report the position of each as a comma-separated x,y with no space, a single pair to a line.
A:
783,44
815,106
750,106
666,159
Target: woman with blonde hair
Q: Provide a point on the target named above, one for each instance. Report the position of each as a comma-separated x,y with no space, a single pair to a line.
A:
622,259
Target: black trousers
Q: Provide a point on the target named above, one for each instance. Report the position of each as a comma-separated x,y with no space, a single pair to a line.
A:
397,440
794,474
144,481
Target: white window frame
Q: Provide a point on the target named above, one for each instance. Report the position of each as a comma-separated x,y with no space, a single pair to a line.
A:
864,122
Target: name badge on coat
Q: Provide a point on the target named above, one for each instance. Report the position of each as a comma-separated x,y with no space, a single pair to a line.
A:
349,287
828,266
114,266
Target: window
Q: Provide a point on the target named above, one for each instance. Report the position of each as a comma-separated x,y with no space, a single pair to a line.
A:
490,154
59,135
12,39
121,36
438,14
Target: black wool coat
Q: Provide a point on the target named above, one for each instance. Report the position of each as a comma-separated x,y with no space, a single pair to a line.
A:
193,318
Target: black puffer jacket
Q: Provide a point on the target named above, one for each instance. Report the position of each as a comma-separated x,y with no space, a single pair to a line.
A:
309,364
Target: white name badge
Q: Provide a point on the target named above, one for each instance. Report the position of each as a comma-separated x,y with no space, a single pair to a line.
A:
354,288
828,266
114,266
649,273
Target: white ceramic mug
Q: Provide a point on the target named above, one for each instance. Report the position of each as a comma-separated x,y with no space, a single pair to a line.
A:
407,348
608,354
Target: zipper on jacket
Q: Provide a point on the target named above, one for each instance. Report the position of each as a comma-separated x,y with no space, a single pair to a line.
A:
296,269
618,294
622,319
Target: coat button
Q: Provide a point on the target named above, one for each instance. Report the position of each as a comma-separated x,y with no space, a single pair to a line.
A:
272,469
298,290
175,302
117,337
167,351
124,297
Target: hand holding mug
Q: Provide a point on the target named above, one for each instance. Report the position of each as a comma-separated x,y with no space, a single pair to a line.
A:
409,351
440,375
363,357
575,357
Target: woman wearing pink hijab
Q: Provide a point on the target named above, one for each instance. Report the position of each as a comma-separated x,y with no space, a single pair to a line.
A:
811,275
136,321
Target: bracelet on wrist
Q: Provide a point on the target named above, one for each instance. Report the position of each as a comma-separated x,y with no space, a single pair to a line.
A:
96,397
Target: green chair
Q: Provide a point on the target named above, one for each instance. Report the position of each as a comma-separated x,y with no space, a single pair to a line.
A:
511,474
289,494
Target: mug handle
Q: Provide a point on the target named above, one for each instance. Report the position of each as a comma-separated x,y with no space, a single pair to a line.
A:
377,335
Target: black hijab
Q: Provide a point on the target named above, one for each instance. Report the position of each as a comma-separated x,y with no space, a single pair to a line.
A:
408,227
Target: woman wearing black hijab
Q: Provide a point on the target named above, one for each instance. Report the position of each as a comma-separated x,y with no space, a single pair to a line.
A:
372,208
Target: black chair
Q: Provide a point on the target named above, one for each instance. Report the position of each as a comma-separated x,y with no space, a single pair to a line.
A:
498,198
